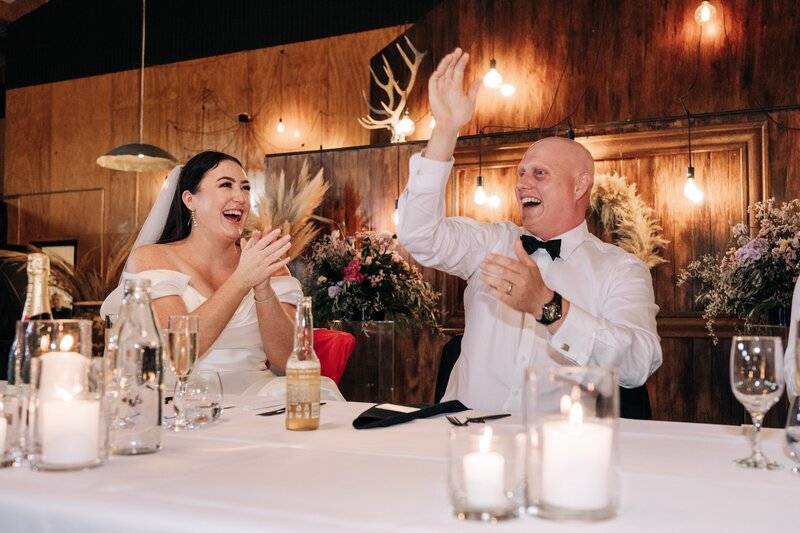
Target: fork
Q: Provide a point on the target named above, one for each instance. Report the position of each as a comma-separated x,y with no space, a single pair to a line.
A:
456,422
476,420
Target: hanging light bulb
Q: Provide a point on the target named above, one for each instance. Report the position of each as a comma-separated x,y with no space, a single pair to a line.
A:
691,190
480,194
705,13
395,213
280,127
432,123
507,90
296,134
405,126
492,79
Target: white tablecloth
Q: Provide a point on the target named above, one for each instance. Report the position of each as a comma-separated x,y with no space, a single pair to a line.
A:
247,473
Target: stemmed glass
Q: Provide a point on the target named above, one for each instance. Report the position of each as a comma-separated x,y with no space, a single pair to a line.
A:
182,352
757,382
793,433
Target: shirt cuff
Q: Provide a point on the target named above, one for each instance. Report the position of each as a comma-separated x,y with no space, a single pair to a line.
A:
575,338
428,175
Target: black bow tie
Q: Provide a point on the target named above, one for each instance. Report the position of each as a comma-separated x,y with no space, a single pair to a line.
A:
531,244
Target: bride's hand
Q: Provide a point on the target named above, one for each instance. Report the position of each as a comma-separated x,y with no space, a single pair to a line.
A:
262,255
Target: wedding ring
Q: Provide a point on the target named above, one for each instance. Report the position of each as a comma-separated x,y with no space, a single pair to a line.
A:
509,288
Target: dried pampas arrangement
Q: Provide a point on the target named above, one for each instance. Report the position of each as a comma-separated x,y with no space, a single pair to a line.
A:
291,207
630,219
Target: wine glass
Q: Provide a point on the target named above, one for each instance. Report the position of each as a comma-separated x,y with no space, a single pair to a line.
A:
182,354
201,400
757,382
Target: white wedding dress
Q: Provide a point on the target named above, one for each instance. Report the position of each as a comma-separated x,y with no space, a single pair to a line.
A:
237,354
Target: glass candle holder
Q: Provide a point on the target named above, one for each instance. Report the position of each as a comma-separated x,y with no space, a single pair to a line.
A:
571,416
486,472
7,428
66,425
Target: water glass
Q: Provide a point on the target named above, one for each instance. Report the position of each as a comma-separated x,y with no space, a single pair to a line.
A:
571,416
486,472
201,401
757,383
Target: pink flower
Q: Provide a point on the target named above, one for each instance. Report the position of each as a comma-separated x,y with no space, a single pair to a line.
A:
352,272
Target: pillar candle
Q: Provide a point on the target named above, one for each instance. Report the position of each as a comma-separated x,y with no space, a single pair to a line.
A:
61,373
576,464
3,427
70,431
484,475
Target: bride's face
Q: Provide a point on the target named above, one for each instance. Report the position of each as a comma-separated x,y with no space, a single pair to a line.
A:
222,201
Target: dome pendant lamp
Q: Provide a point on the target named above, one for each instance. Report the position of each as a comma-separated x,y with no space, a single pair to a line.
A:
138,157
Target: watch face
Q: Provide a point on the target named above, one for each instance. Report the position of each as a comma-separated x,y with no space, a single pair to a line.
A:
551,312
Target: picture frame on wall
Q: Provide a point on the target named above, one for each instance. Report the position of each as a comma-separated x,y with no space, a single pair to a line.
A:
65,250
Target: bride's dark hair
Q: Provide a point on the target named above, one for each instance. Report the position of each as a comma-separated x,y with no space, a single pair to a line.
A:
177,226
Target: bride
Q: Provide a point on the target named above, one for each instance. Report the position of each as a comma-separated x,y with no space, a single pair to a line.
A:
192,250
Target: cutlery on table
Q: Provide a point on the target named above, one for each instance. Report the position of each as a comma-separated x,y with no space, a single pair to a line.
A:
279,411
475,419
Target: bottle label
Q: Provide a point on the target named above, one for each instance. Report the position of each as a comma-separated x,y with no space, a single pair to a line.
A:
302,393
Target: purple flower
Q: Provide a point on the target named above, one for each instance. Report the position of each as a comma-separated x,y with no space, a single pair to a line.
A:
334,290
752,251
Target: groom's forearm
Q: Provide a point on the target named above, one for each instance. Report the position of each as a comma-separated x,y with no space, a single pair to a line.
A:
442,144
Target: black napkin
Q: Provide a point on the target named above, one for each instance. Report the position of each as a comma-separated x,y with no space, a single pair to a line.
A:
375,417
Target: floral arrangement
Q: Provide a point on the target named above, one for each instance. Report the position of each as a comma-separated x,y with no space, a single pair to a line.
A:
364,278
756,274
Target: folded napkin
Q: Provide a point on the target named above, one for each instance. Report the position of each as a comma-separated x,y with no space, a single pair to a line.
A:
384,414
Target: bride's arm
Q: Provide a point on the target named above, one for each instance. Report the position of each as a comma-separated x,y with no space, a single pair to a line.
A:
276,323
215,313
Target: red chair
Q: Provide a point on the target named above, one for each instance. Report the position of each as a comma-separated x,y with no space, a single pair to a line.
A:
333,349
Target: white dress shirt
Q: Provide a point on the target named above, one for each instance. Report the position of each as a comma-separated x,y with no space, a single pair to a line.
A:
611,320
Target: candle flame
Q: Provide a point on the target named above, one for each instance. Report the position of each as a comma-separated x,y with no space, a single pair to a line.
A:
63,394
576,414
566,403
485,444
44,342
66,343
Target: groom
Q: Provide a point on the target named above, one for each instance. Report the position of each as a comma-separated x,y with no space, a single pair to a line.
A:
546,293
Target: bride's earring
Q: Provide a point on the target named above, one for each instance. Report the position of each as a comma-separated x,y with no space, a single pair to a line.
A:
193,220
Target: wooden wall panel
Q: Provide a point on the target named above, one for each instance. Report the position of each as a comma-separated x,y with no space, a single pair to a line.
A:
55,132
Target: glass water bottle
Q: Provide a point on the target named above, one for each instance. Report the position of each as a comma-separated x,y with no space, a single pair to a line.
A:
133,369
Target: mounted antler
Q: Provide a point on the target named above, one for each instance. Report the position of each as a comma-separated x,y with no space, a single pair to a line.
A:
391,114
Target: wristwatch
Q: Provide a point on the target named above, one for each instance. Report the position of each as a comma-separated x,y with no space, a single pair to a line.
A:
551,311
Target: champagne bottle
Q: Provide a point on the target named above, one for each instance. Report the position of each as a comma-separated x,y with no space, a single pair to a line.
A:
37,304
17,393
133,373
302,373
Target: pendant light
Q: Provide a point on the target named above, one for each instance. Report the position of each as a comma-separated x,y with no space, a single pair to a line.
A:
492,79
138,157
705,13
690,189
280,128
480,193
